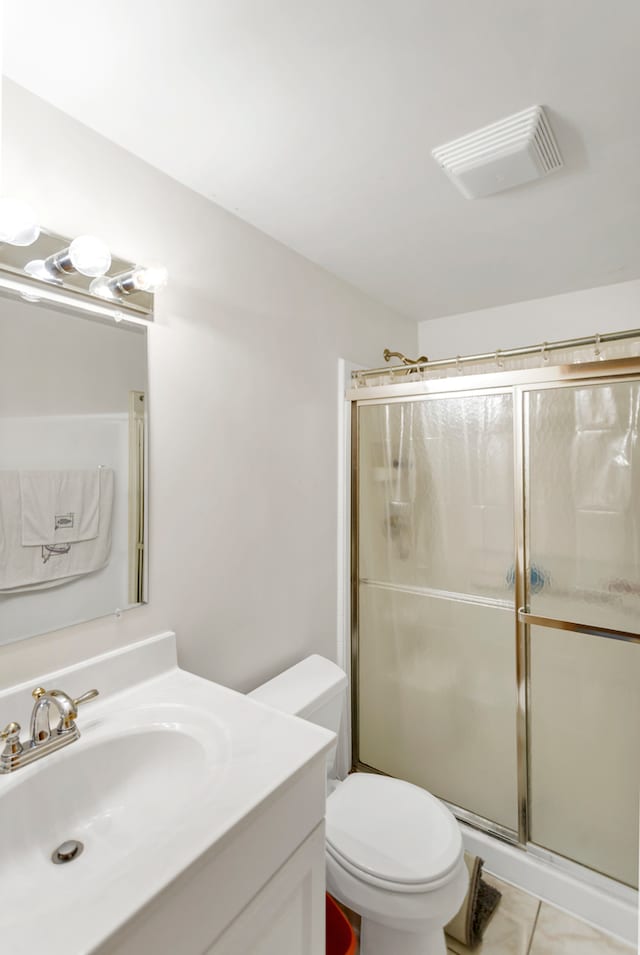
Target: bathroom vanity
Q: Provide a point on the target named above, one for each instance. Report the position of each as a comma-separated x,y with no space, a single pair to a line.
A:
200,813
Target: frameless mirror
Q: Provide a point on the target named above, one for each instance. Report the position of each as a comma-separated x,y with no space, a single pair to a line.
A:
73,428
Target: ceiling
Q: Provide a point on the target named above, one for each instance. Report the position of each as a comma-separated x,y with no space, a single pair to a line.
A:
314,121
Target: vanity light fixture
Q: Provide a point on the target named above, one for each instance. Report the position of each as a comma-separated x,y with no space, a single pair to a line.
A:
86,254
64,299
66,273
18,222
149,278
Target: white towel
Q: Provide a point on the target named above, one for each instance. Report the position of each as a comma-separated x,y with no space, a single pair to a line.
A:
59,507
48,565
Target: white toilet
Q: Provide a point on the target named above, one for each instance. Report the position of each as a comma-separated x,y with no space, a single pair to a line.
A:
394,851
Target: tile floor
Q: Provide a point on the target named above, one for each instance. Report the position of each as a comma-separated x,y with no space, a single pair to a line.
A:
523,925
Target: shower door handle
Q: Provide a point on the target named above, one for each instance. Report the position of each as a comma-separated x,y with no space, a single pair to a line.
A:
533,620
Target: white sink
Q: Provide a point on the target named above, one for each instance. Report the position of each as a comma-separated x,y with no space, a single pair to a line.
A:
109,791
149,786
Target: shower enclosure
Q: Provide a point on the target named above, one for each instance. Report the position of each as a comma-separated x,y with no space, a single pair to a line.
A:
496,601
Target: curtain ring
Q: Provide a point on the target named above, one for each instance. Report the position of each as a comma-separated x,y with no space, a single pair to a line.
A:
544,352
458,365
499,361
596,350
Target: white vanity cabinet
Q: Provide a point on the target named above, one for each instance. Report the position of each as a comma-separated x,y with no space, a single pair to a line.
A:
201,814
260,892
287,917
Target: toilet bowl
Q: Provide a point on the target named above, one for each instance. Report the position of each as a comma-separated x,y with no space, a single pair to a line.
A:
395,856
394,852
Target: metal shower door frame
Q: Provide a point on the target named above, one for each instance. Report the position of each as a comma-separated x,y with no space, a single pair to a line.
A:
519,384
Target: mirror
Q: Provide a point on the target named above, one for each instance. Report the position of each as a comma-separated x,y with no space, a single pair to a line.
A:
73,428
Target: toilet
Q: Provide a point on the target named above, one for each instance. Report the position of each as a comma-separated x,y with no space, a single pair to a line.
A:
394,852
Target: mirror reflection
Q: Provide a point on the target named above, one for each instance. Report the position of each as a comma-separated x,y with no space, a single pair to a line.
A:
72,467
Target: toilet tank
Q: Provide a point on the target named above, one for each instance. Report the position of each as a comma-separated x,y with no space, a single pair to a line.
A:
314,689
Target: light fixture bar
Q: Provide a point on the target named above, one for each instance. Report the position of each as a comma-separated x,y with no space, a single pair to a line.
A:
35,291
78,270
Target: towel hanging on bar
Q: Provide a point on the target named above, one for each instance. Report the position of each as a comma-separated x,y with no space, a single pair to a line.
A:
59,507
48,565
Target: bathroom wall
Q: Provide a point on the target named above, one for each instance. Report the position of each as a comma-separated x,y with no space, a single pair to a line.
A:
608,308
243,405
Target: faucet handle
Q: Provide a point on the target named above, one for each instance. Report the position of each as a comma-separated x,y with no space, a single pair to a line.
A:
10,731
84,698
89,695
11,735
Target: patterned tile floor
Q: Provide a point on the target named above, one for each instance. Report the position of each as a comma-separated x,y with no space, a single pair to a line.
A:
523,925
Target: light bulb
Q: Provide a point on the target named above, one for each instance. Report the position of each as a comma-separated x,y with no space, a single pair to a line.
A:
18,222
37,268
89,255
103,288
150,278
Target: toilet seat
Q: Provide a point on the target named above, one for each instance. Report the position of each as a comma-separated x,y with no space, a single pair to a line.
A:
392,834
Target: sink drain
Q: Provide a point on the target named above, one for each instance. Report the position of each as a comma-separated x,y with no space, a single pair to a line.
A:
67,852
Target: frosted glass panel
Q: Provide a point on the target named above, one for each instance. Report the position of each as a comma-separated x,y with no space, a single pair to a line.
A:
585,750
436,627
436,494
585,504
438,699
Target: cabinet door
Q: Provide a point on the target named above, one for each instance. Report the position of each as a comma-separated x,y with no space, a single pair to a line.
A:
287,917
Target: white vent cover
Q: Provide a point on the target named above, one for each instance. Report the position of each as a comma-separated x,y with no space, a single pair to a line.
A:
502,155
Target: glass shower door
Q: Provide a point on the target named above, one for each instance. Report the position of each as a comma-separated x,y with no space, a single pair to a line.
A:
436,637
583,602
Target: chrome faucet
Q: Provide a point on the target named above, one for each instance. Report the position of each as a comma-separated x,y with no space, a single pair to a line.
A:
44,739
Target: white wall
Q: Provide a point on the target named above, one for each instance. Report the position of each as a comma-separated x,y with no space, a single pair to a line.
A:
243,382
609,308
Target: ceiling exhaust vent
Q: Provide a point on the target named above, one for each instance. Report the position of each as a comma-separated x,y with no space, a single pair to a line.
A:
502,155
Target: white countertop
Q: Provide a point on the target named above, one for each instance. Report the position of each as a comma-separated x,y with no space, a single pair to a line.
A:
253,753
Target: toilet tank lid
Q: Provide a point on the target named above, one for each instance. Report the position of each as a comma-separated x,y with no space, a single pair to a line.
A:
304,687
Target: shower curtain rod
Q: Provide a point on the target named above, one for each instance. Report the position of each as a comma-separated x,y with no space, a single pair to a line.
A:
408,366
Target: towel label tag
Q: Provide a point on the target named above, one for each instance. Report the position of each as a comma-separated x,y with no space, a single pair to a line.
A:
64,520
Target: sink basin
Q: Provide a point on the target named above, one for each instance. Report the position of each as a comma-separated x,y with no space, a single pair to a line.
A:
124,785
168,769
